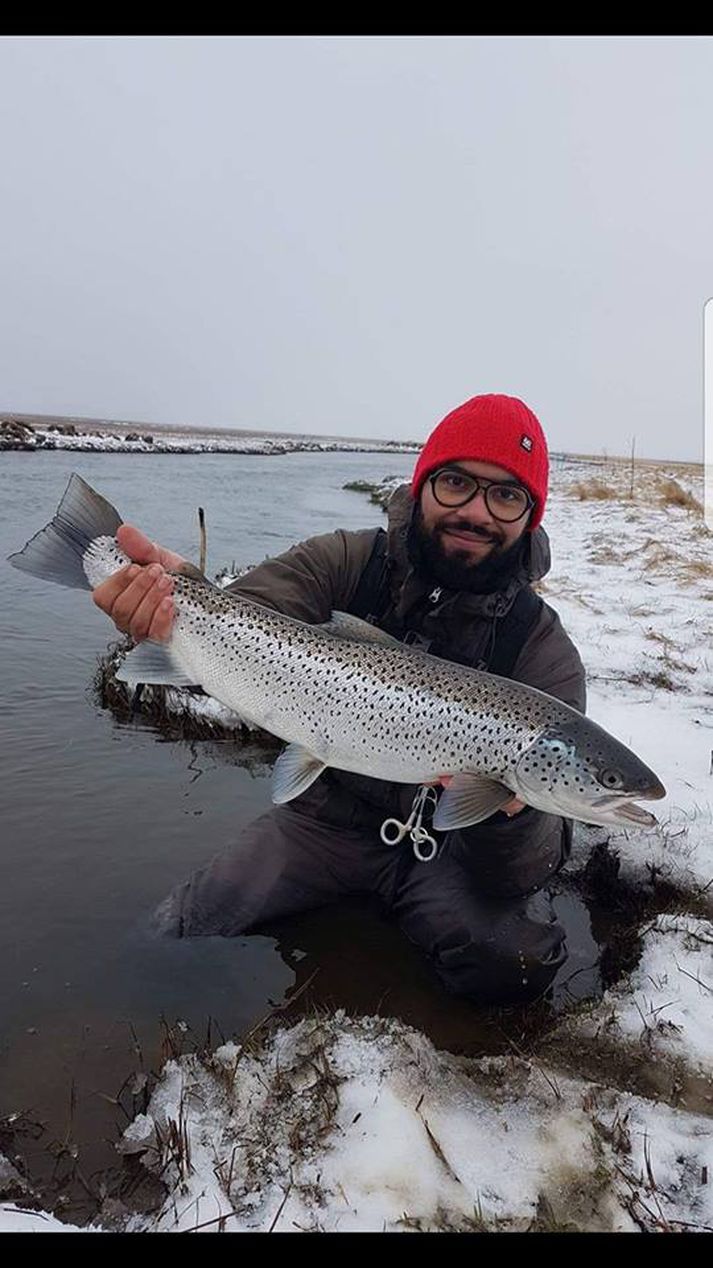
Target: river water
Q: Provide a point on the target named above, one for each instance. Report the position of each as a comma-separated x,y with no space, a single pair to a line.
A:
100,821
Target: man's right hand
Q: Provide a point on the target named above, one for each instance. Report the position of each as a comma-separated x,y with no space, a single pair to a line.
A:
138,597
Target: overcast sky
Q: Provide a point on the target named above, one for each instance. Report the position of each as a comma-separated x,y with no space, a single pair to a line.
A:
352,235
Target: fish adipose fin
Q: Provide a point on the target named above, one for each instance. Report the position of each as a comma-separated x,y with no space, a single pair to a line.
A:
55,553
151,662
295,769
468,800
344,625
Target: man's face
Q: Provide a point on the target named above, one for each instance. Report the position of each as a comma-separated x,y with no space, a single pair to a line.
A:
459,539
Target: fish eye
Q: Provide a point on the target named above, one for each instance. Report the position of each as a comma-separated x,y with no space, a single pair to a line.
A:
610,778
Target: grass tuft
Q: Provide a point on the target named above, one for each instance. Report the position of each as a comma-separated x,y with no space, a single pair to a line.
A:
671,493
594,489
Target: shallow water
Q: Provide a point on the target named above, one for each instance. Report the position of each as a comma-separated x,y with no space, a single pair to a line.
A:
100,821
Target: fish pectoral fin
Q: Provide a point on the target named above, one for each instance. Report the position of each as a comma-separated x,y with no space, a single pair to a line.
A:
344,625
468,800
152,662
295,769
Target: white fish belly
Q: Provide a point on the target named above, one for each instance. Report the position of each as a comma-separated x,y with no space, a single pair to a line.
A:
348,719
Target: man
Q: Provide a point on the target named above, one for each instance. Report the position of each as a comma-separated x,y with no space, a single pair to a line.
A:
453,575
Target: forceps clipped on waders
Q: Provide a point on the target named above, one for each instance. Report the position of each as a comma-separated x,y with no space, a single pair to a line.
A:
393,831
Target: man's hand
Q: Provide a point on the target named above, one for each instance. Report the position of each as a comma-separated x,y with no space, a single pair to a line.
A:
138,597
512,807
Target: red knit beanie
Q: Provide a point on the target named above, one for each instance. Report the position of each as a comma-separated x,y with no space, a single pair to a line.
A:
497,429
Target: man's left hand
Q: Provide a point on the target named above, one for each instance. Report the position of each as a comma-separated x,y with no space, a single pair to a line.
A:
513,807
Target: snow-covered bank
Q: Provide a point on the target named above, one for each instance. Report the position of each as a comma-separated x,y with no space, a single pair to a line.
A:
17,434
18,1219
338,1124
632,580
665,1006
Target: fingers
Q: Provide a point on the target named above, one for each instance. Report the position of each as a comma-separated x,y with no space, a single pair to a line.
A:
138,600
513,807
142,550
140,606
162,621
137,545
169,558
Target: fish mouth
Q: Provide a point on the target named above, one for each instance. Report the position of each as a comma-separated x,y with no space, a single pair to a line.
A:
607,813
616,810
654,792
629,812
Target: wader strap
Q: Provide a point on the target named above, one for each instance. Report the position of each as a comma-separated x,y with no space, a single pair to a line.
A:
372,598
512,631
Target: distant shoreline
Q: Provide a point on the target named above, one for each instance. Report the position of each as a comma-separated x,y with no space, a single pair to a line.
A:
39,432
32,432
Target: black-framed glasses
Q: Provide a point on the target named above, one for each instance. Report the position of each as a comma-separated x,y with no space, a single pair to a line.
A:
505,501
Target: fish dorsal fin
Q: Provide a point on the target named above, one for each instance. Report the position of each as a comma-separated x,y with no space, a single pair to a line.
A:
295,769
152,663
187,569
344,625
467,800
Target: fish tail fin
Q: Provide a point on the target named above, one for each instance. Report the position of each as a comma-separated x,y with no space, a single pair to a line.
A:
56,552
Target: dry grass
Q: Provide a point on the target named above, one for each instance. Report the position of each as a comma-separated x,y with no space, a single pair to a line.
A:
671,493
660,678
597,490
605,555
657,555
693,569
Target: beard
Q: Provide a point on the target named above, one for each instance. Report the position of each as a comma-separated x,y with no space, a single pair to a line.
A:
454,569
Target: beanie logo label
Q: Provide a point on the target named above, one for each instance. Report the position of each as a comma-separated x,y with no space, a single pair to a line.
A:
526,443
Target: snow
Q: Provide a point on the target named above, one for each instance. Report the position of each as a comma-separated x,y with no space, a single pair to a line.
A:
345,1124
633,585
17,1219
666,1003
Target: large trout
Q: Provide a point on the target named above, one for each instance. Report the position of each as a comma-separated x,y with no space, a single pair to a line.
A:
347,695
